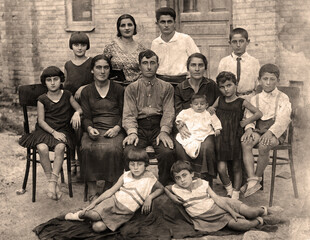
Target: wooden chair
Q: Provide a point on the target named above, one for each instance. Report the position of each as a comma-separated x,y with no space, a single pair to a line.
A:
294,94
28,95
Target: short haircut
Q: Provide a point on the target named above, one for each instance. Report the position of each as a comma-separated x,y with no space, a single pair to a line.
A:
118,23
148,54
137,155
165,11
180,165
51,71
241,31
99,57
198,96
224,76
79,37
269,68
197,55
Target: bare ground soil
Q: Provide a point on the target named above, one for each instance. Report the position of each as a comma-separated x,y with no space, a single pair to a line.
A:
18,215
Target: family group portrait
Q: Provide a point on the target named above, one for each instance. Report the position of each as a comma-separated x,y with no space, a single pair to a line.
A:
154,119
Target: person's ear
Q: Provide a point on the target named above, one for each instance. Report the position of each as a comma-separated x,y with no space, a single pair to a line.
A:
192,174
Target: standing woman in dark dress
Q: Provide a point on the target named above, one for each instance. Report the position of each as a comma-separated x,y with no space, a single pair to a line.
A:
205,163
101,145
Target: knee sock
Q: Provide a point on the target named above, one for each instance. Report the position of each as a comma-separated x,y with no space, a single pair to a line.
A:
229,189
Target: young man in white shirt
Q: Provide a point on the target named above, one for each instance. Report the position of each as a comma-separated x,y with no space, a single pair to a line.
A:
173,48
267,132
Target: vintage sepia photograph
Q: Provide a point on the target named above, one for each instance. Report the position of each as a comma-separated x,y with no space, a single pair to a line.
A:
154,119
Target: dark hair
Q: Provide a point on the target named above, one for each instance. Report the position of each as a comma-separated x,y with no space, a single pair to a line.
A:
148,54
137,155
118,23
99,57
198,96
224,76
180,165
269,68
241,31
197,55
79,37
165,11
51,71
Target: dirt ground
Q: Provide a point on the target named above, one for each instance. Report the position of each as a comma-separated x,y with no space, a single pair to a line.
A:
19,215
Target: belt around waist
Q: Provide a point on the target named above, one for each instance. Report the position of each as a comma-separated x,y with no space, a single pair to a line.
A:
155,117
245,93
176,79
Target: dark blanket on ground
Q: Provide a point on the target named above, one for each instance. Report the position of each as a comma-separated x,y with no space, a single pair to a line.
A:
164,222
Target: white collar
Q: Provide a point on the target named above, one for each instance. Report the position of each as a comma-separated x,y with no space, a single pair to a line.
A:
243,56
270,94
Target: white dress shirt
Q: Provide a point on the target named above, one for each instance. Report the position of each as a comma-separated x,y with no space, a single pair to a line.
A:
249,70
267,105
173,54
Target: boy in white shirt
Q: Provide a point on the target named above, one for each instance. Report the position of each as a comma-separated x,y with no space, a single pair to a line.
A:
267,132
173,48
240,63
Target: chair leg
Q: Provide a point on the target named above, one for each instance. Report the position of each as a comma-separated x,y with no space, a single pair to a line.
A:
62,175
290,155
34,173
69,172
273,176
85,191
27,170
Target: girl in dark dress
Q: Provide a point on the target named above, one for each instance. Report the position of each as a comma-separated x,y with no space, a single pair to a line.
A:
101,144
230,111
53,128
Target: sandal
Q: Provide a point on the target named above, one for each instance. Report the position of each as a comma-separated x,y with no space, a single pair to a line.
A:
250,191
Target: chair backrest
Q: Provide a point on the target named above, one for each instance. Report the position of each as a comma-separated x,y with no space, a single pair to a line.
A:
28,94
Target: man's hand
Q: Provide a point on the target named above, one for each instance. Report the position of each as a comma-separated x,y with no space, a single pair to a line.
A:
166,140
248,135
265,139
131,139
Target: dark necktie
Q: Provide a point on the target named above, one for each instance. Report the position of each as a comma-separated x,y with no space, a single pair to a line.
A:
238,68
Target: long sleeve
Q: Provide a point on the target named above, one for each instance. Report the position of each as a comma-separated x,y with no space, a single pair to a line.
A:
191,47
178,99
167,119
216,123
130,111
87,116
283,117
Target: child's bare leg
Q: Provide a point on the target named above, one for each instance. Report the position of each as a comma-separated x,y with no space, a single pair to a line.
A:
248,158
222,169
237,170
243,224
44,158
99,226
251,212
58,161
89,214
263,158
47,167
